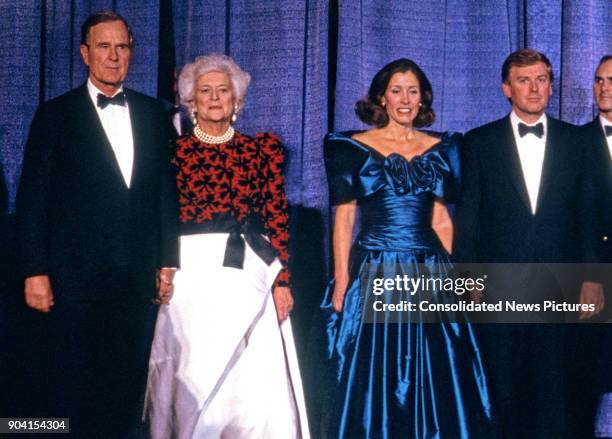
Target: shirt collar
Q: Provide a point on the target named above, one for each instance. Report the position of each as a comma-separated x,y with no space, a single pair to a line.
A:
515,120
94,91
604,122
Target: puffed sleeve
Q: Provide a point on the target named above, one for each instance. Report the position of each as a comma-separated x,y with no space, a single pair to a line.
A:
274,209
436,171
353,171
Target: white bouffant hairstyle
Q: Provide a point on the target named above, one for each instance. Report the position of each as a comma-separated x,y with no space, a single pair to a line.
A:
215,62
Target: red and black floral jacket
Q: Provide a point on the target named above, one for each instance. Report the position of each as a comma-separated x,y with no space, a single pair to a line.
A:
242,177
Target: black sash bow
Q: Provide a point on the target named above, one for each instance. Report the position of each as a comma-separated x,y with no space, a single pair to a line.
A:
249,230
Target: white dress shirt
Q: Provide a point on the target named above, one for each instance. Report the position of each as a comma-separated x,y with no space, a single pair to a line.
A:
606,123
531,154
118,128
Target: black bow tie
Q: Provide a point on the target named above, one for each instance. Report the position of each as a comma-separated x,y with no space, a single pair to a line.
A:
608,129
537,129
118,99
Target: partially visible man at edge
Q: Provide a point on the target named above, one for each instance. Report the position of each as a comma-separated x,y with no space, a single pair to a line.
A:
597,341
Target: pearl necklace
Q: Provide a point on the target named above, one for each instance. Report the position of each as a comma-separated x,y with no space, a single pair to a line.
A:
207,138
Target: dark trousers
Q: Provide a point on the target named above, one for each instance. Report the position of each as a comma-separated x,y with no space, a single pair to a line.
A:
526,364
16,342
587,366
99,354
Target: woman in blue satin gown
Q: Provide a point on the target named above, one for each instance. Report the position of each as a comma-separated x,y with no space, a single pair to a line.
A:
391,374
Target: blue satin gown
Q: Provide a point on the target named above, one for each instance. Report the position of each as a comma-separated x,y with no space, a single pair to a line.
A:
394,378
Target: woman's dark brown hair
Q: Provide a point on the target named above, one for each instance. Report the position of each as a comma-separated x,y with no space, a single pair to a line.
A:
369,109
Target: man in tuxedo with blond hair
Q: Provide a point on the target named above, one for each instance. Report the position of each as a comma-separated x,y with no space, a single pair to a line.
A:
528,199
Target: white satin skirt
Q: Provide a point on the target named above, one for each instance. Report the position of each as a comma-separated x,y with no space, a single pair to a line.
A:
220,365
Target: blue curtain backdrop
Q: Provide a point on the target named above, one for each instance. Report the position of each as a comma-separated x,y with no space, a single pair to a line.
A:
283,45
310,60
461,45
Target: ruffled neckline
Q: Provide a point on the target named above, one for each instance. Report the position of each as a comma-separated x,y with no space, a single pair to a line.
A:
443,141
356,169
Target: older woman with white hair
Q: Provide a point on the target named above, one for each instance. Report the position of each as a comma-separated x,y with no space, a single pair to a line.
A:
223,361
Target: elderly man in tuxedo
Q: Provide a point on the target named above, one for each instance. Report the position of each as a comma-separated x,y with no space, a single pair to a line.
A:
528,199
599,135
97,219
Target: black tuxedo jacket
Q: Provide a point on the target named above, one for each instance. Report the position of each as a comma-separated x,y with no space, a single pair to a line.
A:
602,167
3,193
77,220
3,218
493,220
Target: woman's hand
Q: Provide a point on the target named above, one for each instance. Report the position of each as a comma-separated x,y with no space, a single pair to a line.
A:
165,286
344,220
442,224
340,286
283,301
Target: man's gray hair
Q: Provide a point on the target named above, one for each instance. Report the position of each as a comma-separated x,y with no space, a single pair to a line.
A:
215,62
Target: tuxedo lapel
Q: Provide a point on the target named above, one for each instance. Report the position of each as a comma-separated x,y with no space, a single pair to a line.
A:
138,120
94,132
601,137
551,157
508,155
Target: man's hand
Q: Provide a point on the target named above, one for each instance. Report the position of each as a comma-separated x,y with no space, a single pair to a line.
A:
165,286
283,301
591,293
476,296
38,293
